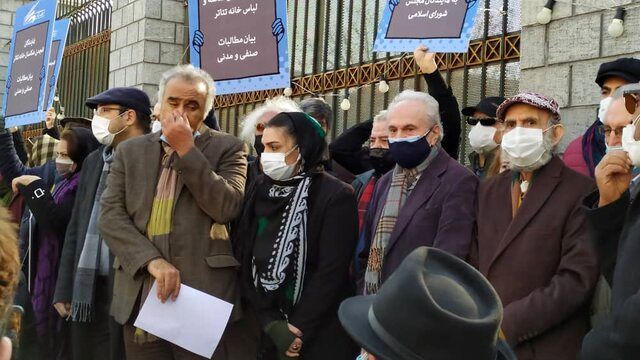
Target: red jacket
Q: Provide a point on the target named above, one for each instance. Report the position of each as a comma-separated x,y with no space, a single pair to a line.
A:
574,159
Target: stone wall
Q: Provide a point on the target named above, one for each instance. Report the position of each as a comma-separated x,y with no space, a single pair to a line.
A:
148,37
561,59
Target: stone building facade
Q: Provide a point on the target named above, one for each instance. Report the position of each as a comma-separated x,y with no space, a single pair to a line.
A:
561,59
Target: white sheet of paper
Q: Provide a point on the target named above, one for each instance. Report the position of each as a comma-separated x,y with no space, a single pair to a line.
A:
195,321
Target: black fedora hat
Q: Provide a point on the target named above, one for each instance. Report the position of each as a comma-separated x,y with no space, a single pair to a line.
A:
434,306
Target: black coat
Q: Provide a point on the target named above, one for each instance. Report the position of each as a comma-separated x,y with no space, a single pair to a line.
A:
614,231
78,224
331,237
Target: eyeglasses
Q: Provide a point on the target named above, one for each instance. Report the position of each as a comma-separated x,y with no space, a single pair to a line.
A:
484,121
631,102
103,110
606,131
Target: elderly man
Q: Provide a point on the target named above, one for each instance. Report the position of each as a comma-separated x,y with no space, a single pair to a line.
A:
585,152
532,238
168,197
615,120
612,215
428,199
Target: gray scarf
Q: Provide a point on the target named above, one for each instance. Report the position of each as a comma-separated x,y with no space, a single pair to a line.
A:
94,259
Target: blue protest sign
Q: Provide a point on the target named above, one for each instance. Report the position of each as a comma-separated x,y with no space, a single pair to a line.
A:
28,63
241,43
440,25
60,31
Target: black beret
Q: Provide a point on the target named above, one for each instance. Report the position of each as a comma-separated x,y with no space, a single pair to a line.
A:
625,68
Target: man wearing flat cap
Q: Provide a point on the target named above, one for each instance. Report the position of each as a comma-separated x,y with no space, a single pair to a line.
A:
84,286
169,196
584,153
532,240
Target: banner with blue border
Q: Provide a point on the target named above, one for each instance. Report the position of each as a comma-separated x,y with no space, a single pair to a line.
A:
60,31
241,43
441,25
28,63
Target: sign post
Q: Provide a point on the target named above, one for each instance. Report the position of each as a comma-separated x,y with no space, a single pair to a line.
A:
28,63
241,43
440,25
60,31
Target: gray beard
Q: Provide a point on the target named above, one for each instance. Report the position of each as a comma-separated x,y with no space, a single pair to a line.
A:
544,159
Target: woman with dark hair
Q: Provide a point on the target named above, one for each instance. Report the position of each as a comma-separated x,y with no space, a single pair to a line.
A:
51,209
295,240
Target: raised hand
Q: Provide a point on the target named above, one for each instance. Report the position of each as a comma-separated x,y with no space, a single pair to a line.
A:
613,175
425,60
50,118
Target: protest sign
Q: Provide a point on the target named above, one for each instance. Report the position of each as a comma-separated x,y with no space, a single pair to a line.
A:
28,63
241,43
60,30
440,25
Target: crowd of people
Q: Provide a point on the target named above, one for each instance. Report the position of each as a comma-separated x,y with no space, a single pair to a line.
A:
379,244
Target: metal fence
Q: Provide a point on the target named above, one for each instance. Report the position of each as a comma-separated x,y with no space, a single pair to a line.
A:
85,63
330,44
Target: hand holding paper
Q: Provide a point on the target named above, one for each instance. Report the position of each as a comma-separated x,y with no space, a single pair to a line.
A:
195,321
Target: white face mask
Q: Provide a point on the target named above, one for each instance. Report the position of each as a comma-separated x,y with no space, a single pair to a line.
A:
525,146
64,167
275,166
604,105
630,145
156,126
100,129
481,138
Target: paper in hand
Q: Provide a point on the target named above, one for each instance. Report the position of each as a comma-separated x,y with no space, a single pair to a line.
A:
195,321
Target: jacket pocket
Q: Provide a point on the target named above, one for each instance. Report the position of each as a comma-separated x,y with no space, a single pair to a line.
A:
222,261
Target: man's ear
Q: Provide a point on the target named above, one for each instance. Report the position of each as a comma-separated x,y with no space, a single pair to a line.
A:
130,117
558,133
434,136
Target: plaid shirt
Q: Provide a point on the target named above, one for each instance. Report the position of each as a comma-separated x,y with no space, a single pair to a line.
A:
365,199
44,149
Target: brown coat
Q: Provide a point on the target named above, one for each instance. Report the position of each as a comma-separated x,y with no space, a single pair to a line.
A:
210,190
539,261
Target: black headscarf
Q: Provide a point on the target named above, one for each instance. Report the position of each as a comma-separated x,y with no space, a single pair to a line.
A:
84,144
308,133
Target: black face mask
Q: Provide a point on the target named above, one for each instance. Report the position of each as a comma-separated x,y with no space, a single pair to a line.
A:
381,160
258,145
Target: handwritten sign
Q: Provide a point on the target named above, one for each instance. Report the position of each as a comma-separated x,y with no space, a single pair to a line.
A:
441,25
60,30
28,63
241,43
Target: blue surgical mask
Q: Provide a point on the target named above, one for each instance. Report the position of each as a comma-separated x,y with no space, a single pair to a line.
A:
410,152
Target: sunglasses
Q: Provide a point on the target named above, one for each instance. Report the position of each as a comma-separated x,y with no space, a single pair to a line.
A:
484,122
631,102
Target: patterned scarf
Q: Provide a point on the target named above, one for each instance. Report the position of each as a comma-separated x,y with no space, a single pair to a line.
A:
94,258
160,222
282,262
402,183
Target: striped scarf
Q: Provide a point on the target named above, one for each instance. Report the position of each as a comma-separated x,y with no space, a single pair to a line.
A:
160,222
402,183
94,258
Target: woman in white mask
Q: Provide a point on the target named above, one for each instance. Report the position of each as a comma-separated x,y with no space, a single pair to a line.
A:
484,137
295,240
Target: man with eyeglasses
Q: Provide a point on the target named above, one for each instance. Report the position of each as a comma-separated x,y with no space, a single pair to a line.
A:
484,137
85,279
613,216
584,153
